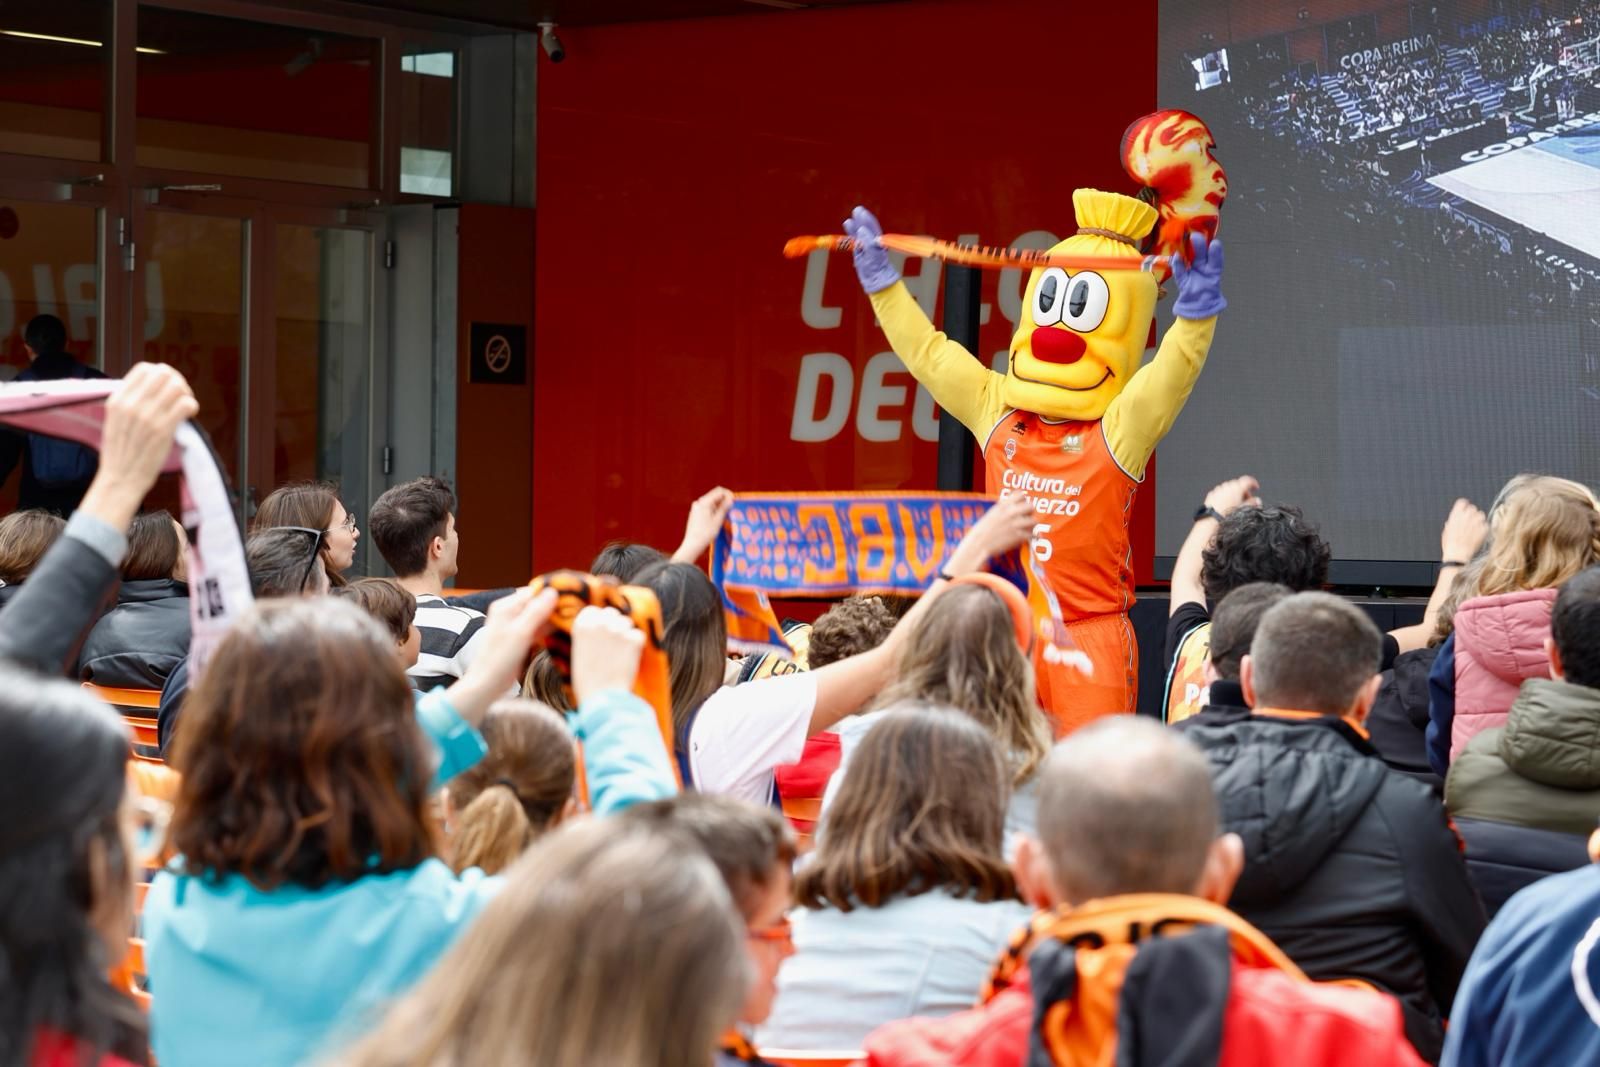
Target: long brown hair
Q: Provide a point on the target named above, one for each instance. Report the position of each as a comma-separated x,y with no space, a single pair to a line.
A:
1542,531
964,654
308,504
694,634
301,757
517,792
608,945
922,807
25,536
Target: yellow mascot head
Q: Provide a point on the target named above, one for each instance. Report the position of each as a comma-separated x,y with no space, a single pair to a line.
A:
1081,336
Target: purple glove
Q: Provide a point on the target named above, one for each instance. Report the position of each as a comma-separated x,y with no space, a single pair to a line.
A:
872,262
1199,285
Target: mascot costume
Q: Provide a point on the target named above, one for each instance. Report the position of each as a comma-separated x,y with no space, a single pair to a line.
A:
1074,419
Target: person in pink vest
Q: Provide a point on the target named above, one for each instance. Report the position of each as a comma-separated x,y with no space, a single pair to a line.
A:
1542,531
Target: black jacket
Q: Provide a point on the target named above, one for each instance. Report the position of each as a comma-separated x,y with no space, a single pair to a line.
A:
1350,868
1398,721
137,644
15,444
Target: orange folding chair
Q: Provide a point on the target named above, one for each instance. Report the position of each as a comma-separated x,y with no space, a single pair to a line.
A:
138,707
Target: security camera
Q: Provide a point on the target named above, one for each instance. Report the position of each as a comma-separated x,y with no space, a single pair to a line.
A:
551,43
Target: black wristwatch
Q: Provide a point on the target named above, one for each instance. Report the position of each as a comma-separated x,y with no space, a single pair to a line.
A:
1206,511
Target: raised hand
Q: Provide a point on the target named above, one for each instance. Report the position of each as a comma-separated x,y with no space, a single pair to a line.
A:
1464,532
705,519
872,262
1239,492
1200,282
606,646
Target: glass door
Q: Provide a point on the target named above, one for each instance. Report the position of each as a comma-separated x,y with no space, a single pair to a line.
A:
268,311
316,416
191,271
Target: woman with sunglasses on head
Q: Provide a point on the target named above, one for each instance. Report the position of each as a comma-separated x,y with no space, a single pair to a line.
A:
285,561
66,879
314,506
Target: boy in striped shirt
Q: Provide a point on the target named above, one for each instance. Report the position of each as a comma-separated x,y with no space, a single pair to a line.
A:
414,527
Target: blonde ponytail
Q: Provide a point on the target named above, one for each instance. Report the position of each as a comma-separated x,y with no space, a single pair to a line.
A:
492,832
522,787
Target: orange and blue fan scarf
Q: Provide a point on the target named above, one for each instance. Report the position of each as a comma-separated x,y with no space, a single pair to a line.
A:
831,545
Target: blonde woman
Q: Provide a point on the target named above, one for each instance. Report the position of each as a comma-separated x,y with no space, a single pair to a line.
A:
963,653
609,944
1542,531
522,790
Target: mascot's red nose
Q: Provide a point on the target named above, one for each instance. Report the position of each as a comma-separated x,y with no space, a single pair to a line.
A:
1057,346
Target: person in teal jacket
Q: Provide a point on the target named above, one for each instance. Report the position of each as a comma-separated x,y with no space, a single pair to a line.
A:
307,891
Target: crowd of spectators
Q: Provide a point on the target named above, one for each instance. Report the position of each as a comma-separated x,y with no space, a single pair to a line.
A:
371,843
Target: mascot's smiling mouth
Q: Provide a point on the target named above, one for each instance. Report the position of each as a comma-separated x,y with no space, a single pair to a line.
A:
1053,385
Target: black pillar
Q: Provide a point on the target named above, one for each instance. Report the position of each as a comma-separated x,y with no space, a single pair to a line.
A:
961,325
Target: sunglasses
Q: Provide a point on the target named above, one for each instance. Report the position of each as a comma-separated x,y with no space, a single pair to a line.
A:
315,537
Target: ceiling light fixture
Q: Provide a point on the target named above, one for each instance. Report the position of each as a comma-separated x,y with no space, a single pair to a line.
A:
54,39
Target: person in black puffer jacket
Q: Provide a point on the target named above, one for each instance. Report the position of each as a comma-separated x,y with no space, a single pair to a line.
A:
1398,721
1351,868
141,640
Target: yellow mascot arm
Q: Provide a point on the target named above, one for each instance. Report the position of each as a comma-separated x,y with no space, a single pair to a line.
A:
959,383
1145,410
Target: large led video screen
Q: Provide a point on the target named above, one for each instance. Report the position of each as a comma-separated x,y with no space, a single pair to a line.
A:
1413,258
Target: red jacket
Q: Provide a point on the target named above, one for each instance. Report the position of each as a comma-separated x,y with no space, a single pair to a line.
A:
1272,1016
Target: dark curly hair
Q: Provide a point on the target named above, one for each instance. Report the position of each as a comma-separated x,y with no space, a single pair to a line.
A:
1272,543
302,760
854,625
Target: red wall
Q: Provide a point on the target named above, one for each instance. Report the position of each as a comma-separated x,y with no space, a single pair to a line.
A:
674,160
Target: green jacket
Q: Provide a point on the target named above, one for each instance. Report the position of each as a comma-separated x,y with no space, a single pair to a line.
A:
1541,769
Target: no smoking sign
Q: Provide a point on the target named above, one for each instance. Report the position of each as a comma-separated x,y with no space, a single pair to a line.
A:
499,354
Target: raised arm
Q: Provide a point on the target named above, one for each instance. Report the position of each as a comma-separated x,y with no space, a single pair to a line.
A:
843,687
958,381
700,529
1463,534
1145,410
64,596
625,758
1187,587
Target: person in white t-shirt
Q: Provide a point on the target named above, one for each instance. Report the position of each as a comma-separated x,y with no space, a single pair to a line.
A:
729,739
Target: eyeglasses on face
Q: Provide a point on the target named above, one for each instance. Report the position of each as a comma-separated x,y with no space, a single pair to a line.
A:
348,525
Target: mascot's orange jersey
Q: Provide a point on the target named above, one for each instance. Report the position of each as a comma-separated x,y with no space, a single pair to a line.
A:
1084,500
1081,548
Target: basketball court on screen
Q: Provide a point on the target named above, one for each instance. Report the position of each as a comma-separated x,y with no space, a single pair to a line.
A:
1552,187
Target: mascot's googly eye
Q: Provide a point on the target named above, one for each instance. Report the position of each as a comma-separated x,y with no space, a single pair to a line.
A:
1083,306
1049,297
